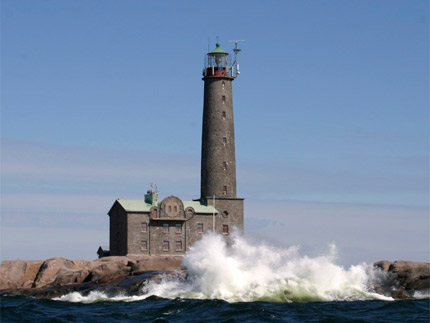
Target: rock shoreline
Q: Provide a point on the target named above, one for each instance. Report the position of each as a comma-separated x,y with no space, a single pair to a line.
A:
57,276
403,279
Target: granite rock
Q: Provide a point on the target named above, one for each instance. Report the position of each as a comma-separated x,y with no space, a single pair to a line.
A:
57,276
403,278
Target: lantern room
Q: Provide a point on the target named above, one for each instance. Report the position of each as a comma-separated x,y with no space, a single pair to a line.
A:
217,63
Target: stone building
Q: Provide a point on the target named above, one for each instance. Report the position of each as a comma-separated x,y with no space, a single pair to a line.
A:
170,226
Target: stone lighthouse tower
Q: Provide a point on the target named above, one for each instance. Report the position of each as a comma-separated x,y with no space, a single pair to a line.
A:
218,168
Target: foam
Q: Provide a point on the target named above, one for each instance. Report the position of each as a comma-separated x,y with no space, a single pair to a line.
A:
244,272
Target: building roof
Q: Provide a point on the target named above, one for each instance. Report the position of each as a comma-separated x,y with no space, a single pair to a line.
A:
134,205
200,208
218,50
141,206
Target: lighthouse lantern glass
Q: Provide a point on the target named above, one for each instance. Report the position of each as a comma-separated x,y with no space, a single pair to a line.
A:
217,64
218,60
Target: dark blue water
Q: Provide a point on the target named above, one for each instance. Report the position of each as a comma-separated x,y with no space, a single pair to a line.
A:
153,309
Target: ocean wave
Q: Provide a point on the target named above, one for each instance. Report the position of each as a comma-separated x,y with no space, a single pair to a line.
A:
243,272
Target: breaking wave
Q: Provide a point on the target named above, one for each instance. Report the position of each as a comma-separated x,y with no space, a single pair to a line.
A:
242,272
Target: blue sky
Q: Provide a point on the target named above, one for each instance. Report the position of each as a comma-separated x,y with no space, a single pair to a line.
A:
101,98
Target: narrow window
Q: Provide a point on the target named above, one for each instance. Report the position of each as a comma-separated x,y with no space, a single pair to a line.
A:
170,208
224,190
144,227
178,228
178,245
165,228
224,140
165,245
224,165
175,208
224,115
154,213
144,245
223,84
199,227
223,99
224,229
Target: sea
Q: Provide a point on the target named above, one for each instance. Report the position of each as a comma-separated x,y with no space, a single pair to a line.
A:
239,282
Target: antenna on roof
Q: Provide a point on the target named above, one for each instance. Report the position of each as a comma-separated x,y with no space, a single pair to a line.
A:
236,51
154,187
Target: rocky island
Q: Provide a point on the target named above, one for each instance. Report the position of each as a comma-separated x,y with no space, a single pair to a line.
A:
55,277
58,276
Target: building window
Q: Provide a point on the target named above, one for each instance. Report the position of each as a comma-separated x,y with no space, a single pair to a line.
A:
224,190
224,115
225,214
224,140
169,208
144,246
224,229
144,227
199,227
224,165
165,245
223,84
154,213
165,228
178,245
178,228
175,208
223,99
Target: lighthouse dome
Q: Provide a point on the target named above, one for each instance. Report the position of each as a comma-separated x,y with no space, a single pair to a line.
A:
218,50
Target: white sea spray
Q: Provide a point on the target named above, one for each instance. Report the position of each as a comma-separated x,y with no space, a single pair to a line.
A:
245,272
95,296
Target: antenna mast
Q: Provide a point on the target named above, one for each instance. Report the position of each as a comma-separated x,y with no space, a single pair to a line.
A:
235,66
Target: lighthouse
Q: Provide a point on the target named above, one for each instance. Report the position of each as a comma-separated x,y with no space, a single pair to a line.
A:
169,226
218,160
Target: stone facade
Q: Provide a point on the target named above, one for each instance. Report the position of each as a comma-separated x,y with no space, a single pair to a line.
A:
166,227
218,169
171,226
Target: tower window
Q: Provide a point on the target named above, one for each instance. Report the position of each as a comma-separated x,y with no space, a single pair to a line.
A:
165,228
170,208
224,229
224,140
225,214
224,190
199,227
223,99
144,245
178,228
166,245
144,227
224,165
178,245
223,84
224,115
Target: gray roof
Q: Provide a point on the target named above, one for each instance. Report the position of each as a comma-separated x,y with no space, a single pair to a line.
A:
142,206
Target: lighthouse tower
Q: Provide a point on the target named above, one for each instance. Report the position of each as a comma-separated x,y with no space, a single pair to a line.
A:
218,168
